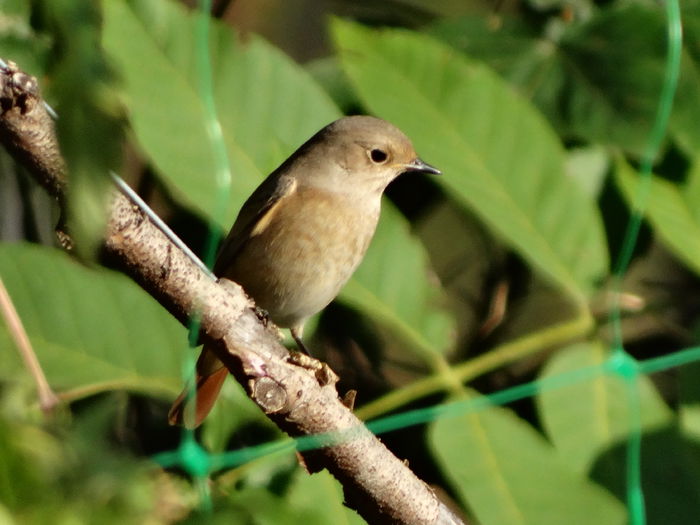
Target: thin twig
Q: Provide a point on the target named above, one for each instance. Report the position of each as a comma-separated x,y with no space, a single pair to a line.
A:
48,400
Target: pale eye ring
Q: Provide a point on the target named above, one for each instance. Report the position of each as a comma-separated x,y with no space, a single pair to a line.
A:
378,156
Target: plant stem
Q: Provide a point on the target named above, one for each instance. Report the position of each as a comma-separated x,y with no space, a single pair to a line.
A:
464,372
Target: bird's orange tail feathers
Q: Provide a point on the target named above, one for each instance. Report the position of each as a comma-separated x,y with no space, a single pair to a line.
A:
209,379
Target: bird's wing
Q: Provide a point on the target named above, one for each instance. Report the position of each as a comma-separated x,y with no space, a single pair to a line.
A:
255,216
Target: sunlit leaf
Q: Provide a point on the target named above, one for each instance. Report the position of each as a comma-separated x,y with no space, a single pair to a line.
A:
507,473
575,71
499,157
671,211
267,105
585,418
92,330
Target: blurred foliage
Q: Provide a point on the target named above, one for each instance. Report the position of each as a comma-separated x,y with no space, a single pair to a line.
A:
495,273
82,90
55,472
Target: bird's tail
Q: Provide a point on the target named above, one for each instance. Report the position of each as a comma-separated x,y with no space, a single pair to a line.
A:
209,379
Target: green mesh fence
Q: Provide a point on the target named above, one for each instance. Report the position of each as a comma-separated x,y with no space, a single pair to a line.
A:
195,460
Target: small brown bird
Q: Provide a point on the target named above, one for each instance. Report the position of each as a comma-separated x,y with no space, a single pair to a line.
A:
304,230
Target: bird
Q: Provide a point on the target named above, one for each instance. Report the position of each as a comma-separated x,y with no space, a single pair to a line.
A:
303,231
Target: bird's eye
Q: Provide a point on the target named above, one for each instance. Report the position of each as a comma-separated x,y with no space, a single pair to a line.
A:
378,156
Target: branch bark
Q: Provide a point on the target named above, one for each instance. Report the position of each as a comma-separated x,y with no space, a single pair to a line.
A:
376,483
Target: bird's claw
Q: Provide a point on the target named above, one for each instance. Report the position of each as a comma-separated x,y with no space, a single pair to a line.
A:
323,373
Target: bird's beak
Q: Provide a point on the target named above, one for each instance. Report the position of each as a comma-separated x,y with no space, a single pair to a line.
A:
418,165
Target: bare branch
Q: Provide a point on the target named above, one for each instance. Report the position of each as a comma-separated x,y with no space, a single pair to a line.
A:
376,483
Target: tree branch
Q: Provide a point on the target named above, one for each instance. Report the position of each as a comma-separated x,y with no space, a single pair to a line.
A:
376,483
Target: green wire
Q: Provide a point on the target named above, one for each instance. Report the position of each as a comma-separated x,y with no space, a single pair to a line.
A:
680,358
622,363
656,136
190,455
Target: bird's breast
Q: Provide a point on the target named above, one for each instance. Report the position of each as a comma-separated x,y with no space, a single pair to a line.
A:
299,262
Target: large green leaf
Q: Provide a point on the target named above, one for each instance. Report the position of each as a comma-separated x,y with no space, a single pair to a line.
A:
394,287
504,471
498,155
506,43
267,105
92,330
589,423
672,211
589,86
585,418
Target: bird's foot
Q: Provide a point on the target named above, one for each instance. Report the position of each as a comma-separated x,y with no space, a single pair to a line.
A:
324,374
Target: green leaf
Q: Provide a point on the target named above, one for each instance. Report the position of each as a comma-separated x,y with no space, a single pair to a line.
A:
683,125
92,330
321,497
18,40
504,471
691,193
583,419
394,287
588,166
310,500
257,506
506,43
589,422
669,466
54,473
576,72
498,155
689,394
90,127
614,88
671,211
266,104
